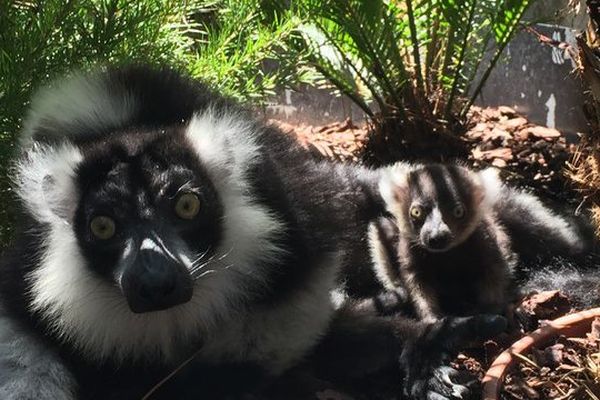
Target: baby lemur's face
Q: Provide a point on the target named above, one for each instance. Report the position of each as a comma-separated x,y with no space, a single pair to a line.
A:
437,206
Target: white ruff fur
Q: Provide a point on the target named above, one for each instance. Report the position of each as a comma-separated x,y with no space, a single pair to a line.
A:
92,314
83,103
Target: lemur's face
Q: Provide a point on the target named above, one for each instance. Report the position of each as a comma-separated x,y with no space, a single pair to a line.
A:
438,205
150,238
148,218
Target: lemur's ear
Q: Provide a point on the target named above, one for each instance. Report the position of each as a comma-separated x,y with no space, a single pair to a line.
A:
489,185
61,201
393,183
45,181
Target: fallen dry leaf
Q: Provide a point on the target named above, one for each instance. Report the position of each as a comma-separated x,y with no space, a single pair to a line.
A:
543,132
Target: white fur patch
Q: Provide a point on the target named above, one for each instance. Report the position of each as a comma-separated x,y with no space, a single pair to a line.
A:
381,259
549,220
44,181
82,103
278,337
226,145
497,191
391,178
149,244
93,315
493,186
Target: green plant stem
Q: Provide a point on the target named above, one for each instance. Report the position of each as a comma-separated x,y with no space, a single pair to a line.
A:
461,59
480,57
448,56
430,57
415,46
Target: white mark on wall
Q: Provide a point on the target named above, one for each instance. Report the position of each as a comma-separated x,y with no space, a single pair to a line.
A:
522,95
288,96
539,93
557,54
560,55
551,116
524,68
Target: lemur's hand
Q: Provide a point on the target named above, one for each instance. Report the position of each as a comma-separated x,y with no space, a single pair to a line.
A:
424,361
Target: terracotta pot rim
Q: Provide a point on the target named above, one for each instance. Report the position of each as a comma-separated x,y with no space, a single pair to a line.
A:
492,381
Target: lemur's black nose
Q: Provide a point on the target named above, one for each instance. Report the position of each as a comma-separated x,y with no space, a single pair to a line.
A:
156,282
439,241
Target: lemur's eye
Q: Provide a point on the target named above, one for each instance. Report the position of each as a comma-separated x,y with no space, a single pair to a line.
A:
458,211
416,212
187,206
103,227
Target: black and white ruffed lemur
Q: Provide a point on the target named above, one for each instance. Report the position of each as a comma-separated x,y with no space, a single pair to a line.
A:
460,242
162,226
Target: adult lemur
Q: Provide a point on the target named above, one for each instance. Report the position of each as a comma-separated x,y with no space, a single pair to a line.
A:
458,237
163,226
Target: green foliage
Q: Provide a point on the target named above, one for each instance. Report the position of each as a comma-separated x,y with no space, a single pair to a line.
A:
225,42
238,48
414,58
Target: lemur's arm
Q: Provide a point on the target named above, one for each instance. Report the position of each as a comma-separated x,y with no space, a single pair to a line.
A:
360,342
423,298
394,273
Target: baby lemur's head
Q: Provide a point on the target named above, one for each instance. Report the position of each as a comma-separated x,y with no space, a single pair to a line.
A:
436,206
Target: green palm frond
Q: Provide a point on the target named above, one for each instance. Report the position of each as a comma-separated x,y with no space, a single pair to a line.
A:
421,57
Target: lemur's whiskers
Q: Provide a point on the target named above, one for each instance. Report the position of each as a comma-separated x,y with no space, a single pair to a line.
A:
200,258
212,259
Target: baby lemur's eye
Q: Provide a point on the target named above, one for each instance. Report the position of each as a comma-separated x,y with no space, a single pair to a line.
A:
103,227
416,212
458,211
187,206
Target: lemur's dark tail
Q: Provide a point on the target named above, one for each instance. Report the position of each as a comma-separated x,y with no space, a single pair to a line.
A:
556,251
539,233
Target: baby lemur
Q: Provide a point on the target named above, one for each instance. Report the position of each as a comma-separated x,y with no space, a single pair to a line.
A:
445,246
461,242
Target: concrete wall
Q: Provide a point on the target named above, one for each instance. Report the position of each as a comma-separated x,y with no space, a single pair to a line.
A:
538,81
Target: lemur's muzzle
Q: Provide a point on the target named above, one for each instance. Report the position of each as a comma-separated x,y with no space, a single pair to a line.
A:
155,281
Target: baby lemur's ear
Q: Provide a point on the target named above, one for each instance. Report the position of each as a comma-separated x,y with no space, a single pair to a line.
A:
393,183
489,185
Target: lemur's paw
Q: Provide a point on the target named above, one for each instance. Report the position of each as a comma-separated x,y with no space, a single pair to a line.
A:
442,383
